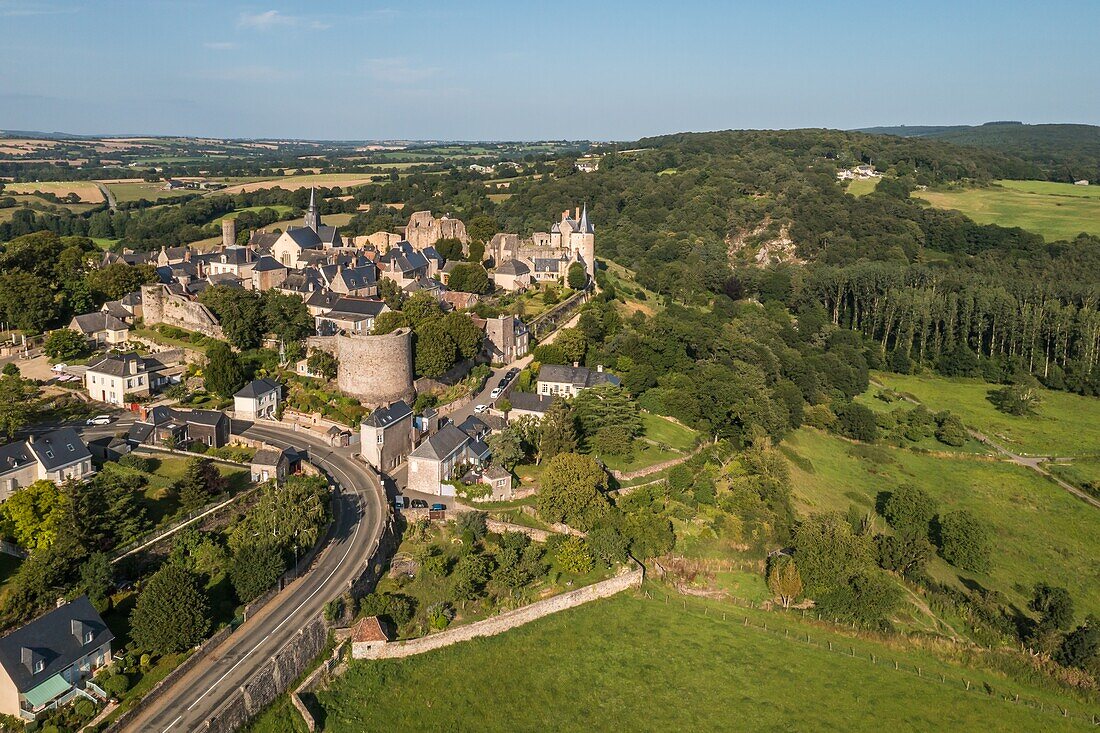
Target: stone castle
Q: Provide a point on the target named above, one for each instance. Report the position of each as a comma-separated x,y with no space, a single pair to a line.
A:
376,370
160,305
573,239
424,230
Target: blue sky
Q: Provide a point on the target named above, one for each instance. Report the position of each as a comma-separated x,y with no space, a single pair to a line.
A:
519,70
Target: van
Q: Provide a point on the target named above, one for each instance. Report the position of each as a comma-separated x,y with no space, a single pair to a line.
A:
400,502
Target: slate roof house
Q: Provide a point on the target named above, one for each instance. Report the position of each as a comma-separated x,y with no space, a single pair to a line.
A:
350,315
436,459
49,661
567,381
58,456
101,328
258,399
386,436
403,264
167,426
528,403
360,280
270,464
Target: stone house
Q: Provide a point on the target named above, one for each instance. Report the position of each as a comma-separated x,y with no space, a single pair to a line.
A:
360,281
513,276
257,400
270,464
459,300
169,256
113,378
507,338
350,315
496,478
557,380
435,460
267,273
403,264
101,329
367,635
50,661
58,456
386,436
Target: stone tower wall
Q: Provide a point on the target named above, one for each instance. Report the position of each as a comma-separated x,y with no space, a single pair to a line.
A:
376,369
160,306
229,232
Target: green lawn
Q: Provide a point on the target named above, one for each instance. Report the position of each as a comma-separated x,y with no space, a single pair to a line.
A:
280,208
1054,210
862,186
971,446
1082,472
666,432
632,664
161,505
1042,532
1066,424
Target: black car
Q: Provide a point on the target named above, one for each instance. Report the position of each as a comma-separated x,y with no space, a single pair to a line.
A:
419,504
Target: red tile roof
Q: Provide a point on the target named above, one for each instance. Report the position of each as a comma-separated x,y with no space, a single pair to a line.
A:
368,629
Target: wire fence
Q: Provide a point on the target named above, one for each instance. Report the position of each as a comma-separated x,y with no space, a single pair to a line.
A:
885,662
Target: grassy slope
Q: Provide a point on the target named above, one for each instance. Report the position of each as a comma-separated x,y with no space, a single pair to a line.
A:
862,187
1042,533
1066,424
150,191
1054,210
635,664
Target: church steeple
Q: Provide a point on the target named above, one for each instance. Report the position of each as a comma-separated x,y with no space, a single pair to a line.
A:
313,215
585,227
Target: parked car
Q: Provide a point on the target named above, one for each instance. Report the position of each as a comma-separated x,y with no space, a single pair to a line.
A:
495,393
59,367
400,502
99,420
439,507
480,408
419,504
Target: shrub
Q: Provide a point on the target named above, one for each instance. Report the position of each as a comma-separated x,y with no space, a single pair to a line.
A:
857,422
116,684
138,463
964,541
574,556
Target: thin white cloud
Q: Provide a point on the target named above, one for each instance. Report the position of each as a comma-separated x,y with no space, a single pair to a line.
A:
270,19
220,45
265,20
398,70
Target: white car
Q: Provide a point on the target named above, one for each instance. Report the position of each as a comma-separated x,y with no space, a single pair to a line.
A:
59,367
99,420
495,393
480,408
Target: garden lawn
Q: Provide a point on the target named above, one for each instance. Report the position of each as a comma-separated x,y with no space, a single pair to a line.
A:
1041,533
161,505
632,664
862,186
1065,424
667,432
1054,210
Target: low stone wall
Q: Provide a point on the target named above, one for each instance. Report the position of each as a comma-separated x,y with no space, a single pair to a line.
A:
538,535
505,621
272,679
158,689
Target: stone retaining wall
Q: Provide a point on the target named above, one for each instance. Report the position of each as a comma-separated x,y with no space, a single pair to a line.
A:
158,689
504,622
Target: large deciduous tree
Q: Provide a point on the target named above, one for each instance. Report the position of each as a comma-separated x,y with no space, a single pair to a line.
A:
572,491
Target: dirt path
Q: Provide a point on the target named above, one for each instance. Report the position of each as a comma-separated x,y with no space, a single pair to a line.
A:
1035,463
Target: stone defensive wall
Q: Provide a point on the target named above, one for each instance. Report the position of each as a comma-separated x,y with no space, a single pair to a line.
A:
629,578
375,369
159,305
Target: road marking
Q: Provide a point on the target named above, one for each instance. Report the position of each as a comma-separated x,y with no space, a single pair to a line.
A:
351,544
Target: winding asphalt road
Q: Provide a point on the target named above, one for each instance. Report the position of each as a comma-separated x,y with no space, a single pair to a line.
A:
360,514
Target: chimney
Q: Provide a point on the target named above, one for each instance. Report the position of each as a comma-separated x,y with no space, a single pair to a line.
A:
577,213
187,255
132,365
565,215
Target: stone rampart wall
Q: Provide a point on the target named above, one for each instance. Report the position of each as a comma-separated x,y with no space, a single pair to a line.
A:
505,621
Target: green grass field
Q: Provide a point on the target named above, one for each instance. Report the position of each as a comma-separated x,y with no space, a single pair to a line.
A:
862,186
1042,532
1066,424
632,664
150,191
87,190
1054,210
281,208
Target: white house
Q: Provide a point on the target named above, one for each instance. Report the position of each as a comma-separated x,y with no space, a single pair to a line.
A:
114,377
257,400
557,380
57,456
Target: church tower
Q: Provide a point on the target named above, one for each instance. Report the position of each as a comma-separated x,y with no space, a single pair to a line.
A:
313,214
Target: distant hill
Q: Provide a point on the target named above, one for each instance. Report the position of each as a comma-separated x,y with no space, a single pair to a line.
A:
1064,152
